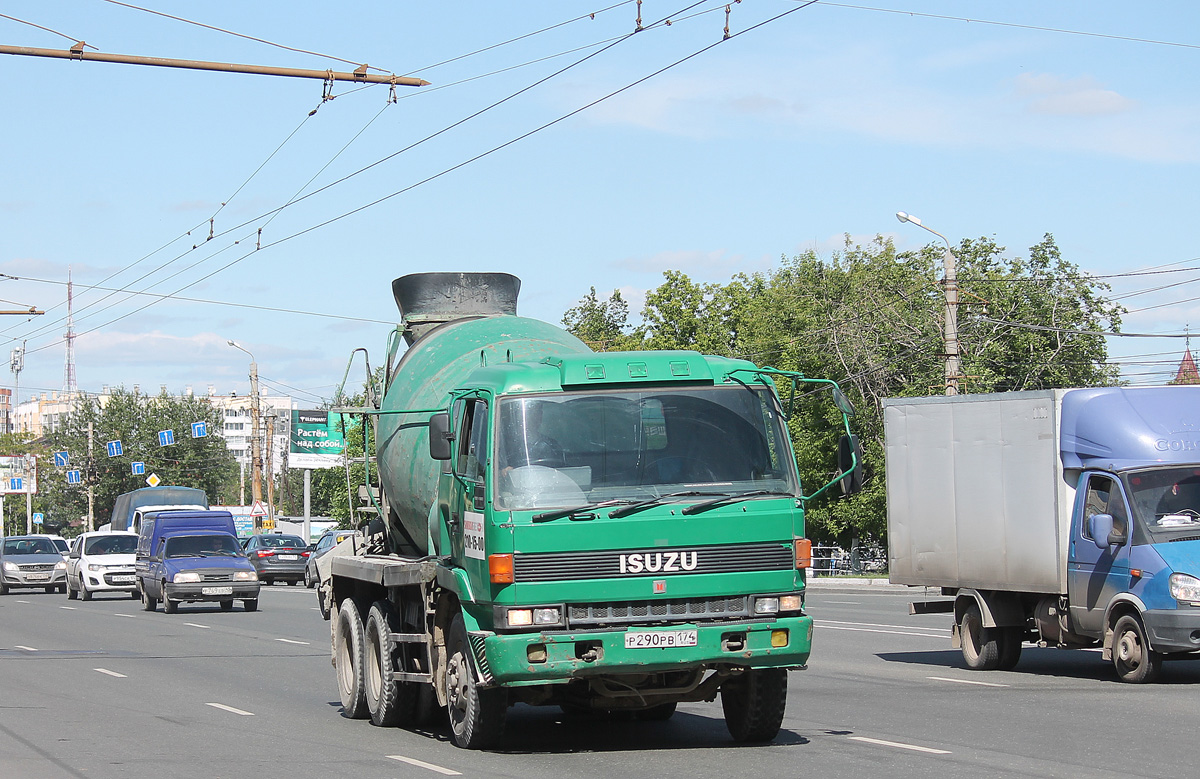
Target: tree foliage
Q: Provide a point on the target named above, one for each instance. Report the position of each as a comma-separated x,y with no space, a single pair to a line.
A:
872,319
135,420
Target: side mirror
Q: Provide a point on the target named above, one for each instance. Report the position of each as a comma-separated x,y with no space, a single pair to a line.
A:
439,436
850,452
311,547
1101,528
842,402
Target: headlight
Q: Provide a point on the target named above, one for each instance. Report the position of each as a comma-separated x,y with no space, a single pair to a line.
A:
546,616
186,578
1184,587
520,617
766,605
245,576
61,565
10,567
542,615
94,567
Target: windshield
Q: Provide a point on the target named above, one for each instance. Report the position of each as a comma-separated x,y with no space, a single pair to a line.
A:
104,545
22,546
202,546
580,448
281,542
1166,501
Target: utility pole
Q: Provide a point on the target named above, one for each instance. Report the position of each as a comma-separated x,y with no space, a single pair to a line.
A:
270,470
950,328
16,363
91,517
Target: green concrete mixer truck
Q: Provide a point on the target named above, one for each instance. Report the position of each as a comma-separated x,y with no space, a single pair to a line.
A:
618,531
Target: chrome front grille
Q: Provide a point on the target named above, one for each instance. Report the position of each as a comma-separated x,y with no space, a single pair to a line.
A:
33,567
622,563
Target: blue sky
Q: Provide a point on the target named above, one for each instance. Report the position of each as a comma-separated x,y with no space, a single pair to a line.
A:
1079,119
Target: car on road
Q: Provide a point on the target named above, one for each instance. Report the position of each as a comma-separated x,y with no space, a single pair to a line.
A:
328,540
102,562
278,557
31,561
199,565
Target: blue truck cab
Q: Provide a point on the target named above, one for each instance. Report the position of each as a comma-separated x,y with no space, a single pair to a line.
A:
1133,566
186,556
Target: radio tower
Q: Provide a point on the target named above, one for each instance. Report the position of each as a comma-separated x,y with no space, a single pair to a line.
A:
69,385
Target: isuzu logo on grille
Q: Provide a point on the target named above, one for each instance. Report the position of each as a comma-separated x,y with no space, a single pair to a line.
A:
658,562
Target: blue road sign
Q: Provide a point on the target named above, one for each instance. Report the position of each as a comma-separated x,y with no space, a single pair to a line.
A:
199,429
166,437
115,449
73,477
38,517
61,459
14,484
138,468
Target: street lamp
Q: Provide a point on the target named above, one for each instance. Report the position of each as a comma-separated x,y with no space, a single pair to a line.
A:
255,453
950,332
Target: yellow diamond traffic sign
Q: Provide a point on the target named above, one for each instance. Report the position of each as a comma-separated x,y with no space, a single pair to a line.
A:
153,480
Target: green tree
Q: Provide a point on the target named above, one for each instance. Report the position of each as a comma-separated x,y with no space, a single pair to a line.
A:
135,420
602,324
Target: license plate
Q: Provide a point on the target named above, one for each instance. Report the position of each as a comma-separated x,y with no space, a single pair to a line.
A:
123,578
38,577
659,639
289,557
216,590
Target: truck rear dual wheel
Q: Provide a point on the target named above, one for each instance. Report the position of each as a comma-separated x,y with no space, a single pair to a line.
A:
754,704
348,652
1132,656
389,702
476,714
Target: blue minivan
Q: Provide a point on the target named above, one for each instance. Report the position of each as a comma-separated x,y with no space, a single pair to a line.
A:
186,556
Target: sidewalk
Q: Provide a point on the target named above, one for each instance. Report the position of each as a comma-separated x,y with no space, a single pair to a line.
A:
854,583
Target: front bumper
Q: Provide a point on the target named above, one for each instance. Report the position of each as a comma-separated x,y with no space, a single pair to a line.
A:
22,579
1173,630
196,592
517,658
108,580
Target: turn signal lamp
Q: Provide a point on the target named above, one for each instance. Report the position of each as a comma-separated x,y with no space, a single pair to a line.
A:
500,566
803,553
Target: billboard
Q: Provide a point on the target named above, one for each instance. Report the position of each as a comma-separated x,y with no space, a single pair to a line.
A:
316,441
18,474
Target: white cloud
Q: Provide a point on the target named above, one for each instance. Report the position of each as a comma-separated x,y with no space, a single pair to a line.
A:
1050,94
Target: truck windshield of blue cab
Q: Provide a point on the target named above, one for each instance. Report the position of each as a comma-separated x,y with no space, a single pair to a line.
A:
1167,498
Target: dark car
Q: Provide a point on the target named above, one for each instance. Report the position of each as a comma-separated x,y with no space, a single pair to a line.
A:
31,561
277,557
328,540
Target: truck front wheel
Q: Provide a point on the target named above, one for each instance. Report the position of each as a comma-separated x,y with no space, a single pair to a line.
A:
754,704
980,645
476,715
1132,656
348,660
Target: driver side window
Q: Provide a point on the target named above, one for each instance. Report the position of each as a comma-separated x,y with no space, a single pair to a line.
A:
471,460
1104,497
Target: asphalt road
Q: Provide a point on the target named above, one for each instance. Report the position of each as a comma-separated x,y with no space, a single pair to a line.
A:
103,689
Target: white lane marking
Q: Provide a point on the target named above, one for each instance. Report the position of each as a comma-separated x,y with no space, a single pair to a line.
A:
875,625
874,630
230,709
68,608
110,673
194,625
290,641
964,681
21,601
423,764
26,648
843,602
898,745
115,614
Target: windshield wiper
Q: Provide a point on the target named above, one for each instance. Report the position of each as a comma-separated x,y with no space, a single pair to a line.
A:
645,504
547,516
696,508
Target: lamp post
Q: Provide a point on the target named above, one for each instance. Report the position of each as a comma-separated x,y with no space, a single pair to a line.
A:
255,452
950,283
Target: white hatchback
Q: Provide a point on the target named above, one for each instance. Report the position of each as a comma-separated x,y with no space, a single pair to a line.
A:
102,562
